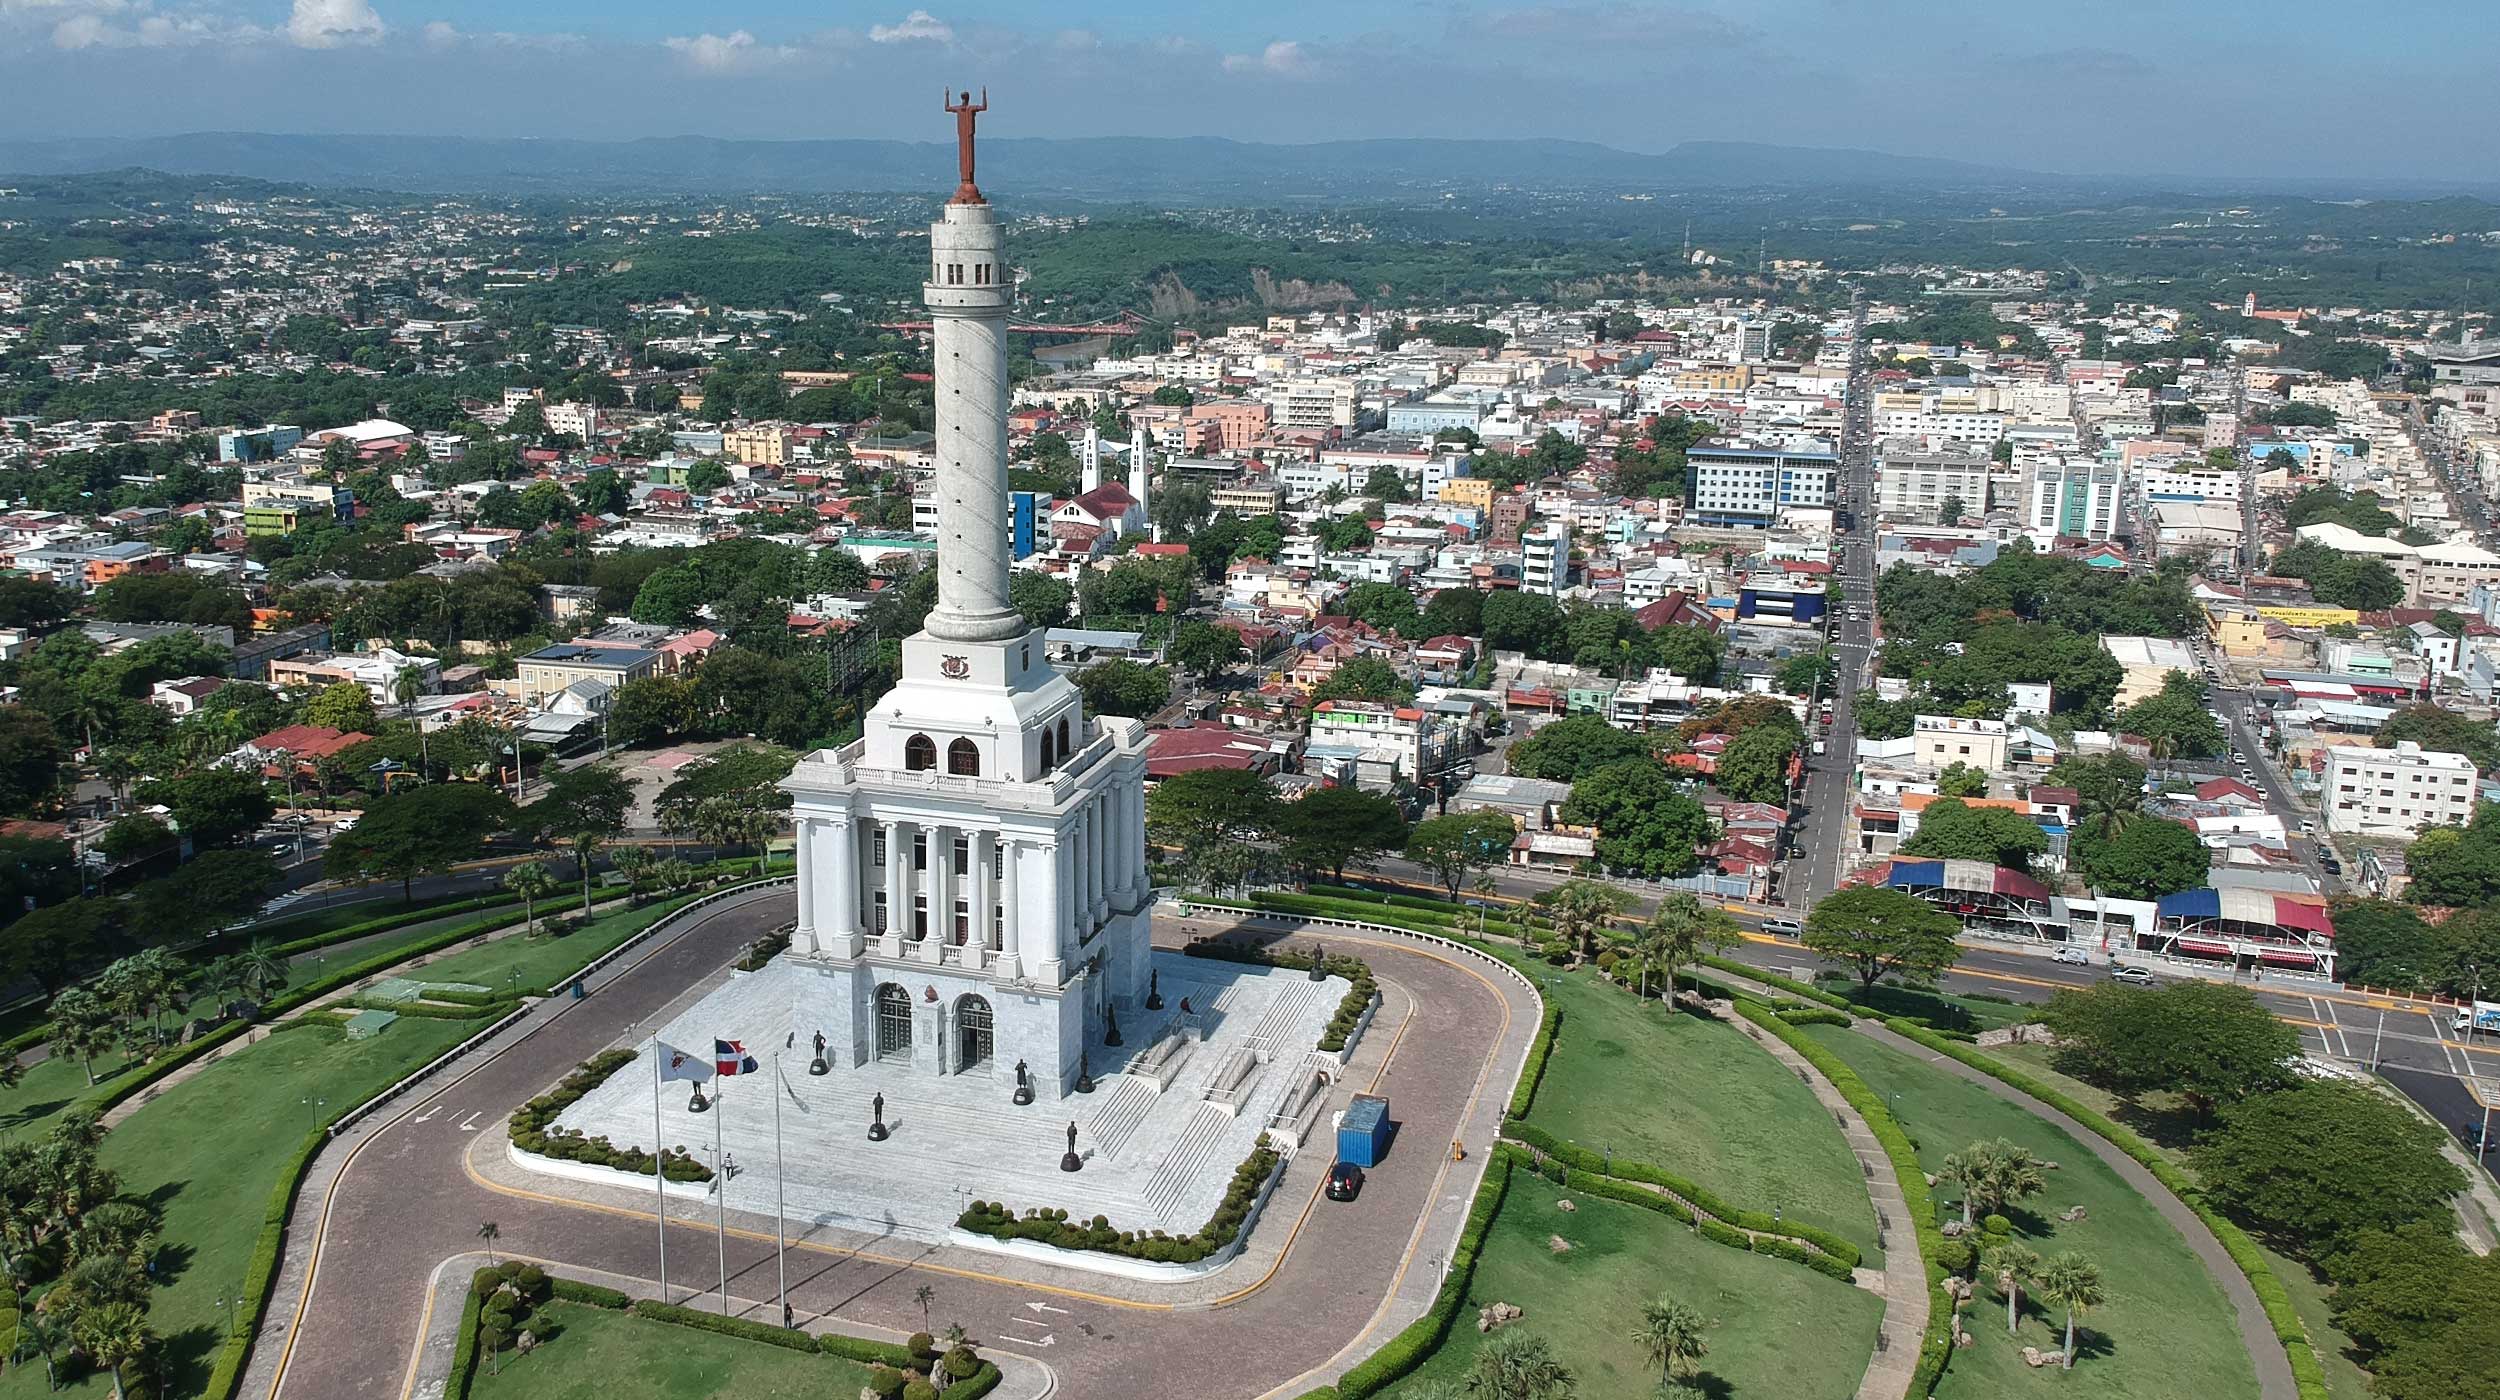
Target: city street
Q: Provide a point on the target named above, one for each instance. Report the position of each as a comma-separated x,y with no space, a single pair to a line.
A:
1819,834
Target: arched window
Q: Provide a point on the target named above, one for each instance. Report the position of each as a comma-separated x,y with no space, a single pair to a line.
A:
1064,746
963,758
919,752
1050,754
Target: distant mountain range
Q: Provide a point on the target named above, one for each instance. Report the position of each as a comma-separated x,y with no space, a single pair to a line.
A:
1188,169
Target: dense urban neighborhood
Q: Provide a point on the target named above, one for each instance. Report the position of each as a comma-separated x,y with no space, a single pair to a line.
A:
1703,825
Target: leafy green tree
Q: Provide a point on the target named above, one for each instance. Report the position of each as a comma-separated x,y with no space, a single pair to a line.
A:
2183,723
1452,612
670,596
1647,824
1951,829
216,889
1385,606
1681,931
2209,1041
422,830
344,706
1456,845
1877,933
2147,860
1123,687
1993,1176
532,881
583,808
1043,600
1581,910
2109,790
1807,673
1196,811
51,944
1204,649
1335,827
734,797
1962,780
214,808
1365,678
2443,731
1754,765
30,759
2458,866
2423,1312
651,711
1690,652
1571,748
2379,943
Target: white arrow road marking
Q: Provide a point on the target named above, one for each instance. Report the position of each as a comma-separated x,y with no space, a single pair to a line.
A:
469,1124
428,1115
1045,1307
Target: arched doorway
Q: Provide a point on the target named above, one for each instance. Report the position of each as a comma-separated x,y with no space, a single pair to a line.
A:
972,1033
963,758
893,1022
919,752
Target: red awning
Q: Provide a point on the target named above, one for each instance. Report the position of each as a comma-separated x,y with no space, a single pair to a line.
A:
2211,950
2288,959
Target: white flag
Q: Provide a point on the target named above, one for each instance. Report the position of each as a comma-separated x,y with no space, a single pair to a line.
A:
679,1064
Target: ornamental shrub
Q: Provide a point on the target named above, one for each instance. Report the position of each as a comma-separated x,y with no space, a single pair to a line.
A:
920,1390
884,1382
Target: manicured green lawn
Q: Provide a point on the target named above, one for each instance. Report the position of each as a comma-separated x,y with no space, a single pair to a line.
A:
2160,1119
601,1355
49,1089
1945,1010
209,1152
539,960
2166,1332
2345,1379
1699,1098
1778,1330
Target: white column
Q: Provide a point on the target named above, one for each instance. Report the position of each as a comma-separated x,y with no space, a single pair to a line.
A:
898,887
1010,918
801,835
1133,882
837,858
1097,840
940,884
984,896
1062,905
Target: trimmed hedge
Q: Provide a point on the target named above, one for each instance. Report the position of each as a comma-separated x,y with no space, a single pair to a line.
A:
981,1382
533,1127
1580,1159
1523,1095
1404,1352
464,1347
866,1352
260,1276
2308,1373
1815,1016
1790,985
590,1295
738,1327
480,1012
1936,1347
1052,1227
1350,1007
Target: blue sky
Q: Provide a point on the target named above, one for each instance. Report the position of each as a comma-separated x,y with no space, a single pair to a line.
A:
2401,88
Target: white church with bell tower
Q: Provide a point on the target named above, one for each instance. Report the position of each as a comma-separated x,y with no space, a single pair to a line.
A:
972,884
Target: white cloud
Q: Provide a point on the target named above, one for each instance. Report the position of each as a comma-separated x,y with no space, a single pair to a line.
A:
733,52
330,24
441,34
919,24
1286,58
91,30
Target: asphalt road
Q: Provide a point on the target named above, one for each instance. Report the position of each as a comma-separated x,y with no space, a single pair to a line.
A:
1820,833
404,1200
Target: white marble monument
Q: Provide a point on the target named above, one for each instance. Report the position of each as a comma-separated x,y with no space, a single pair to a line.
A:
972,872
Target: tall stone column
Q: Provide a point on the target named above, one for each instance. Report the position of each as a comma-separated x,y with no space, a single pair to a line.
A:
984,898
1098,841
837,859
1010,917
803,937
898,888
1062,904
967,295
941,886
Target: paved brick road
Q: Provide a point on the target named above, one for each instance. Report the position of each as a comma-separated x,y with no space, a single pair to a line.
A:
403,1202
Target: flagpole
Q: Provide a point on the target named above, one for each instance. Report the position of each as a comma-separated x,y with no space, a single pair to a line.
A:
781,1260
659,1166
720,1158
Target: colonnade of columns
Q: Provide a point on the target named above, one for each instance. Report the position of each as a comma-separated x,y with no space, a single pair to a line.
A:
1011,886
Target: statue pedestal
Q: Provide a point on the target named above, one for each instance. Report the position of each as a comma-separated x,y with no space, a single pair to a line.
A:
1070,1162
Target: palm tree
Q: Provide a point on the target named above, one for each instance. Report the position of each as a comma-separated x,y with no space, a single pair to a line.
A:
490,1232
1682,932
491,1336
81,1026
2015,1264
1516,1365
2161,748
117,767
1582,909
1670,1334
2011,1174
1966,1169
635,864
1484,889
407,686
2072,1282
585,845
263,969
38,1335
924,1295
532,881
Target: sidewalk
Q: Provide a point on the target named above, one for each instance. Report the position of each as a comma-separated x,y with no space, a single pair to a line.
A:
1020,1377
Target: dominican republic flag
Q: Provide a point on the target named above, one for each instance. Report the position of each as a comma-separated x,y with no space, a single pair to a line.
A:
731,1057
679,1064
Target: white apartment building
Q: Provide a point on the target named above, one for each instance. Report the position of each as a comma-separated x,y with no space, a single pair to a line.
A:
1935,415
2190,480
1316,403
2395,792
1545,559
2077,500
1938,741
1914,484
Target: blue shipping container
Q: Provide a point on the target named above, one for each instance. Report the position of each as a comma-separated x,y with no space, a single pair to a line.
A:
1363,1134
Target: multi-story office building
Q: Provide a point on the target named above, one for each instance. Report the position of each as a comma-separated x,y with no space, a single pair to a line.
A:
1545,559
1747,486
2077,500
1912,483
2395,792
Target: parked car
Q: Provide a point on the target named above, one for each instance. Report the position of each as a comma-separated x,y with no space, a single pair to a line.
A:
1345,1181
1783,928
2132,976
2072,957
